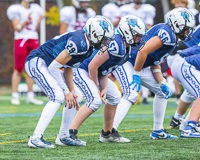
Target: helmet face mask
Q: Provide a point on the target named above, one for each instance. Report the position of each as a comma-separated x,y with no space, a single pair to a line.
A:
99,29
132,29
180,20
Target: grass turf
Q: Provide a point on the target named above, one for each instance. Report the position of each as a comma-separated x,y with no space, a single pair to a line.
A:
14,132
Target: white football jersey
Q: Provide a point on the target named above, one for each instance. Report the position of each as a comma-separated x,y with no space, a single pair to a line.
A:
193,10
68,15
18,12
111,11
146,12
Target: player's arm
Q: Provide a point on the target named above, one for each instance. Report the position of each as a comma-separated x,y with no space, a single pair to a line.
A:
96,62
39,21
156,71
63,27
150,46
103,80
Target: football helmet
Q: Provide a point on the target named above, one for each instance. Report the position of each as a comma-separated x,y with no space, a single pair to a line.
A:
99,28
129,26
77,3
181,19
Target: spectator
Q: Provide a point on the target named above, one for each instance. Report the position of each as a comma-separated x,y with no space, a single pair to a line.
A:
75,17
25,18
145,11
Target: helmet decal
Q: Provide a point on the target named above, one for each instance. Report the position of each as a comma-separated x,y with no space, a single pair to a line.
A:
104,24
185,15
133,22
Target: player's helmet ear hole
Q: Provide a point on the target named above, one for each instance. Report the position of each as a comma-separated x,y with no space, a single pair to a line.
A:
95,36
126,32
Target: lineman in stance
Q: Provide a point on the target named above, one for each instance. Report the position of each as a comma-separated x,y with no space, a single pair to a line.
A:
93,72
160,40
43,65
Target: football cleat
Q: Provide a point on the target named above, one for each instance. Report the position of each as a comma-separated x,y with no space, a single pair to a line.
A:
183,124
67,141
39,143
190,132
15,101
161,134
34,101
113,137
175,123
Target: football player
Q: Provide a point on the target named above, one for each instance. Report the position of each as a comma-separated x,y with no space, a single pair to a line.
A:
93,73
160,40
43,65
75,17
25,18
186,99
185,68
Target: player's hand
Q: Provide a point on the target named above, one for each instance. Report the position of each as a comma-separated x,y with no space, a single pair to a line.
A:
76,101
70,100
103,95
165,90
136,82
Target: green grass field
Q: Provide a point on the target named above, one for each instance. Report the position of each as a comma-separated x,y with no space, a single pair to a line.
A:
18,122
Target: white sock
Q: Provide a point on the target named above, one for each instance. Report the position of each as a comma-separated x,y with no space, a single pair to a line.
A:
47,115
178,116
121,112
159,107
30,95
187,117
67,118
15,95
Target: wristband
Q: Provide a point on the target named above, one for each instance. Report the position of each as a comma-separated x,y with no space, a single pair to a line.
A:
19,27
136,73
156,70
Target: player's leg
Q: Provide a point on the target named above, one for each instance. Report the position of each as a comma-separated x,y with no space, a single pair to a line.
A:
93,102
67,118
37,69
189,77
159,105
31,44
185,100
20,54
123,75
113,97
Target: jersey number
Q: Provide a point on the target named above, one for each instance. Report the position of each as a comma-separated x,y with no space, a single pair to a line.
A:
70,48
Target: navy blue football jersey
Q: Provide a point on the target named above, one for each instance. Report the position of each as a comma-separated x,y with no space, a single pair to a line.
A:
156,57
118,55
195,38
76,44
192,56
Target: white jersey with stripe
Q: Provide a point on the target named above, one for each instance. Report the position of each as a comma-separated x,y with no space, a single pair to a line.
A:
146,12
68,16
19,12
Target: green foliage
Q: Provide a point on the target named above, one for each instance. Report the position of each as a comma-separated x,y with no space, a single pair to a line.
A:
53,16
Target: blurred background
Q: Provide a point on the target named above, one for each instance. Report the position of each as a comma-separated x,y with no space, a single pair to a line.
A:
52,27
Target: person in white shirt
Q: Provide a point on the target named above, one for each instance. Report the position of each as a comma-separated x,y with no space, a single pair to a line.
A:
182,3
25,18
75,17
144,11
112,11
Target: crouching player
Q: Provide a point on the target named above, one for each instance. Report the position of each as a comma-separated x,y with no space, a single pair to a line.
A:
92,75
185,68
160,40
43,65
